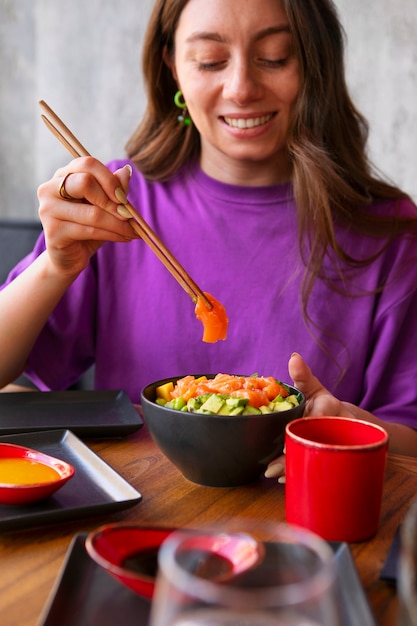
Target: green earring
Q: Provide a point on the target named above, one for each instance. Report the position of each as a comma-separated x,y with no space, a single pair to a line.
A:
183,118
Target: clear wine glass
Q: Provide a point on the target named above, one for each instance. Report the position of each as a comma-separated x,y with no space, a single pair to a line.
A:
245,574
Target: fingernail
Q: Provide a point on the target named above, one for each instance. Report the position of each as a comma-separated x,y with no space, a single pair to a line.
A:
295,354
122,211
274,470
281,480
128,167
120,195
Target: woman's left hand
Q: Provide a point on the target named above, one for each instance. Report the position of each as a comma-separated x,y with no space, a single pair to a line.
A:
319,401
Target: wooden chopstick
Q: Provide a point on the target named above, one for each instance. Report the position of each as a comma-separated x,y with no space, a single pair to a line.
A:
140,226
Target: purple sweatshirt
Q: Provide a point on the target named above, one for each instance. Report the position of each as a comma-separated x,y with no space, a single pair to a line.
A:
126,313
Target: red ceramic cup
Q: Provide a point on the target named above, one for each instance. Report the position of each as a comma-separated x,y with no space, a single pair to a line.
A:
335,470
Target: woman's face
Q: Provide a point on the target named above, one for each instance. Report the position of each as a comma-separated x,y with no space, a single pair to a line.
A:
235,64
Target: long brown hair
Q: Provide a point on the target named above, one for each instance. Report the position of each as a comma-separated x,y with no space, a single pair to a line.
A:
160,146
333,181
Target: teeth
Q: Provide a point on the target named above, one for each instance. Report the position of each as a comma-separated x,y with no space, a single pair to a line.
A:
247,123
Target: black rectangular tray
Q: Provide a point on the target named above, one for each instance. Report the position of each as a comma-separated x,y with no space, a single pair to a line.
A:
85,594
87,413
96,488
389,571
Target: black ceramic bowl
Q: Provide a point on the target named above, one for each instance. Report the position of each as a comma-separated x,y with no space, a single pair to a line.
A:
217,450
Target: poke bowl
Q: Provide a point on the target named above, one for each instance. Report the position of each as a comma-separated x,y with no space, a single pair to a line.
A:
227,448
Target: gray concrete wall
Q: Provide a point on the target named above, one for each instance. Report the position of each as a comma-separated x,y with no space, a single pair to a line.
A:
382,74
83,58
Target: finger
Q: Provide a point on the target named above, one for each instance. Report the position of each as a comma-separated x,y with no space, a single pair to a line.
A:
319,401
302,376
89,179
63,192
275,468
87,224
66,220
124,174
82,186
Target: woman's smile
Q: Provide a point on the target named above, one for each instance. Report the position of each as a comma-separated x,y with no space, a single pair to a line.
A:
247,122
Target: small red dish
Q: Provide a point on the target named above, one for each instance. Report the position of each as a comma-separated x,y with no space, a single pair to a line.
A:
129,553
27,475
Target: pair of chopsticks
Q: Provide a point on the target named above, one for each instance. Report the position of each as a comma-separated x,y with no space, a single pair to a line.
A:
139,225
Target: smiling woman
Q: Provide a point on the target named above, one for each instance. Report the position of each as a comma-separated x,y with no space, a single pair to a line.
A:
267,195
385,88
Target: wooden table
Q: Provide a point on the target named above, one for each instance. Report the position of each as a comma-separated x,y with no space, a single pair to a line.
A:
31,559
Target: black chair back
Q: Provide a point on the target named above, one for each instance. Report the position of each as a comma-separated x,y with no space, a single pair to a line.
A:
17,239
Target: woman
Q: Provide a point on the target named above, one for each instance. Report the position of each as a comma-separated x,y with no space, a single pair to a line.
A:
259,183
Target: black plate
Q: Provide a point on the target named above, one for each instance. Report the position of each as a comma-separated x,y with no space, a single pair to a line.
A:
96,488
390,568
352,600
85,594
87,413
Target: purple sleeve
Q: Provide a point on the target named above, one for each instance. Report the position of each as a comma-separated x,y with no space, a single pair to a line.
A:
393,364
69,332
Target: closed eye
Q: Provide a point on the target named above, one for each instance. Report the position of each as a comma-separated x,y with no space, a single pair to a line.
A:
274,63
211,66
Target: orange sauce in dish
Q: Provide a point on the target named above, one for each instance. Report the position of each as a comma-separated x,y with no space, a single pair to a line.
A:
25,472
214,320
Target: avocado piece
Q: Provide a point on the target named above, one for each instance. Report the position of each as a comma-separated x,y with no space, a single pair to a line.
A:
251,410
239,410
293,399
282,406
265,409
233,403
227,410
213,404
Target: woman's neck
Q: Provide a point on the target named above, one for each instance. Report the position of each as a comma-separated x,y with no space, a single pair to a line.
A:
249,174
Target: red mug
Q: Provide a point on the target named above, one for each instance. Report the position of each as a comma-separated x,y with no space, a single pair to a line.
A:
335,469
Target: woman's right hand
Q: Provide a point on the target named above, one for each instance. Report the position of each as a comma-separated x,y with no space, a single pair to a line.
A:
74,231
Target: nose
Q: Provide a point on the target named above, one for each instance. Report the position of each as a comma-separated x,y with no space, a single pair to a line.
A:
241,84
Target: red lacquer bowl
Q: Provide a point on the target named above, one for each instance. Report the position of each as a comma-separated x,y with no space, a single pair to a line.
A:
129,553
24,490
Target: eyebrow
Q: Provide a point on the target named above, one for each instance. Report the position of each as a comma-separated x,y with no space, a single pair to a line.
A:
215,36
